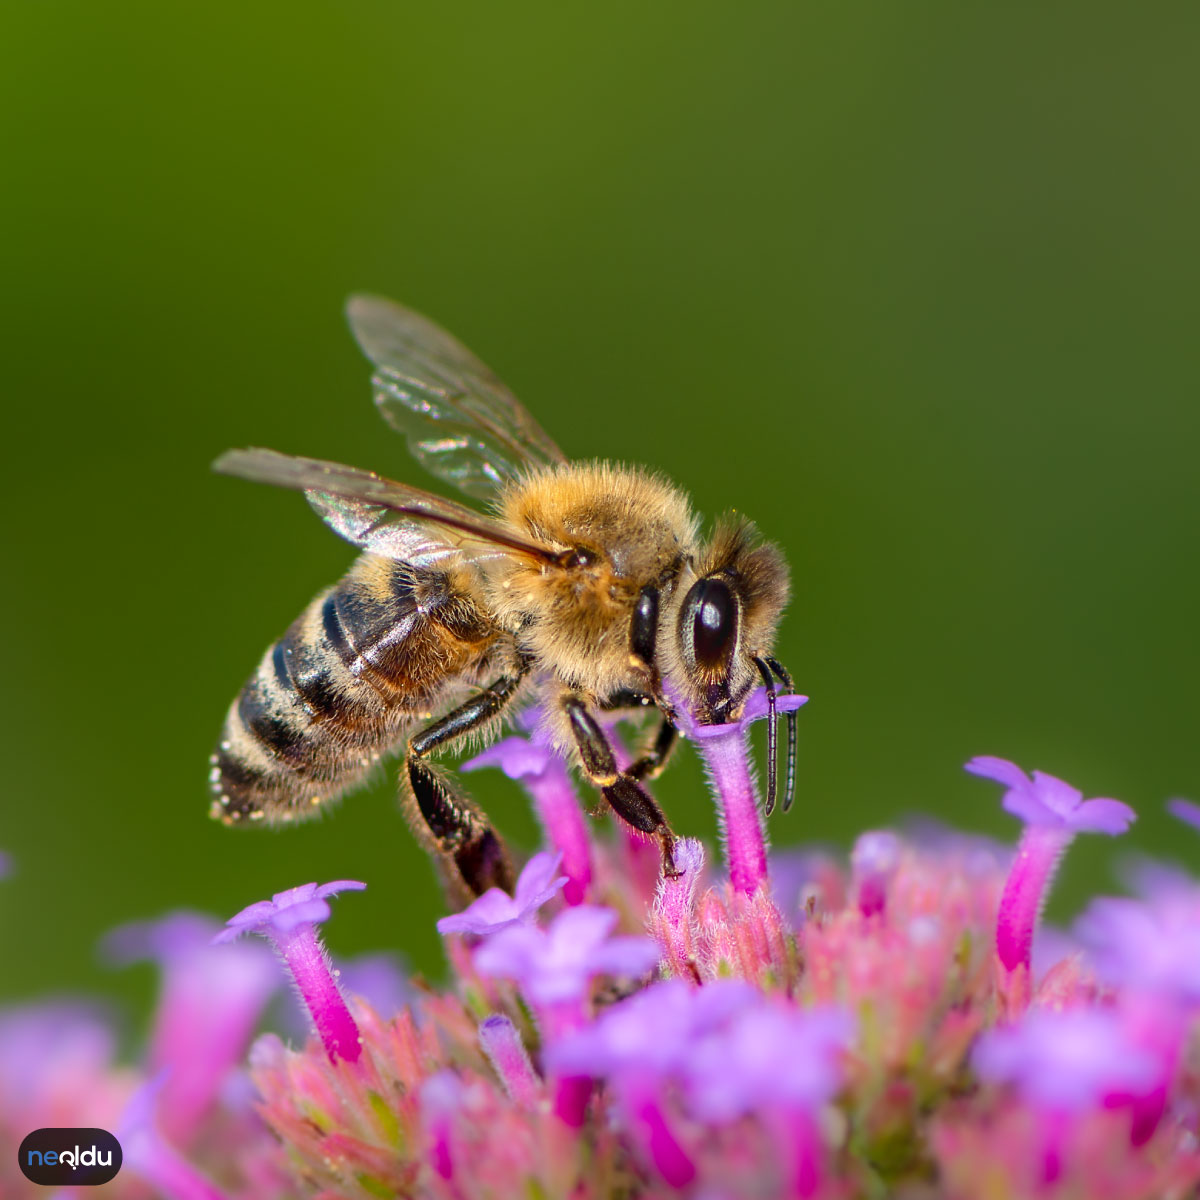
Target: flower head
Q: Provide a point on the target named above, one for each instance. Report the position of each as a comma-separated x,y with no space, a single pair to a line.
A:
652,1034
1053,812
496,909
1150,945
1046,800
544,775
1064,1061
289,919
769,1055
287,911
756,708
726,756
518,757
555,965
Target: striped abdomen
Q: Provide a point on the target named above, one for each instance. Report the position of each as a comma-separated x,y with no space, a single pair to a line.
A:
363,663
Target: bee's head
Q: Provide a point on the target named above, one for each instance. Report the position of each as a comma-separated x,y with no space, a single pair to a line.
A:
726,622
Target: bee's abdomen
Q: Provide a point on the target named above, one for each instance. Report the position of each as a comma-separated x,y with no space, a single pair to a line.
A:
339,689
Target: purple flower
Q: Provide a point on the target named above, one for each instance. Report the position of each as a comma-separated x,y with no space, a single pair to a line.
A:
1053,812
651,1034
1064,1061
756,708
518,757
286,911
1148,946
785,1065
726,757
51,1050
496,909
1186,811
210,1001
1048,801
148,1155
769,1055
642,1044
544,776
1067,1064
554,965
289,919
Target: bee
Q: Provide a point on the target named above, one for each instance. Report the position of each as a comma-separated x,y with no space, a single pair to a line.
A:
586,585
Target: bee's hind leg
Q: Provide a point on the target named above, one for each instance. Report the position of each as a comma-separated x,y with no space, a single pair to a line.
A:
445,817
629,800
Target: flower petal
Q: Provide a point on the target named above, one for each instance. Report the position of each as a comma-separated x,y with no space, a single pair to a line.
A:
1102,816
539,881
999,769
517,757
1185,810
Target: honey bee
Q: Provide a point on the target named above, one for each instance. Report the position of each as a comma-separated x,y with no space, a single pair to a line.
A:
587,586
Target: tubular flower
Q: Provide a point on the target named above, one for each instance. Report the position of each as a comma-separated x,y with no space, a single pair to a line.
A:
496,909
1053,812
545,776
726,756
289,920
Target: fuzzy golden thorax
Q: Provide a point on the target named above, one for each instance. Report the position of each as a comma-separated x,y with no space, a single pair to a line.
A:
629,529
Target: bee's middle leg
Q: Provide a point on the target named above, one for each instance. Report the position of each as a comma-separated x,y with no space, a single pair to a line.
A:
629,800
445,815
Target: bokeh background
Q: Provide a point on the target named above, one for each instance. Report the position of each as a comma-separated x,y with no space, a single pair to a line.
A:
915,286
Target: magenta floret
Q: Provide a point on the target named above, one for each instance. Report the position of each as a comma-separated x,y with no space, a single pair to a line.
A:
555,965
539,882
289,919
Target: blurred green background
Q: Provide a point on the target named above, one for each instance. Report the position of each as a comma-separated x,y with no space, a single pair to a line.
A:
915,286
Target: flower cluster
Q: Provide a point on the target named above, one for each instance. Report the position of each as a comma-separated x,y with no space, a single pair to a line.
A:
781,1025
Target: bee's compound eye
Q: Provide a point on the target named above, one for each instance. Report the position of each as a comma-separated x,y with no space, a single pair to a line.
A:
713,609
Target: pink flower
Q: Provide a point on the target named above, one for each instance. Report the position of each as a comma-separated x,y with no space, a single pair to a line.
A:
289,919
1053,812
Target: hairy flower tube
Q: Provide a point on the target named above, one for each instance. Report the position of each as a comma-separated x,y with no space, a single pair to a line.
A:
726,757
804,1025
289,920
544,774
1054,813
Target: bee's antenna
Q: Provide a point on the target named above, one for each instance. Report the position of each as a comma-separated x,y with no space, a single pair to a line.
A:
789,790
772,742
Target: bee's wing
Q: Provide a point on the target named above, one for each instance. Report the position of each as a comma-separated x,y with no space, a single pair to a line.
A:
382,516
462,424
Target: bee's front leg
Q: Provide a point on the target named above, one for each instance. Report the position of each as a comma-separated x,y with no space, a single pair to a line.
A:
444,815
629,800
